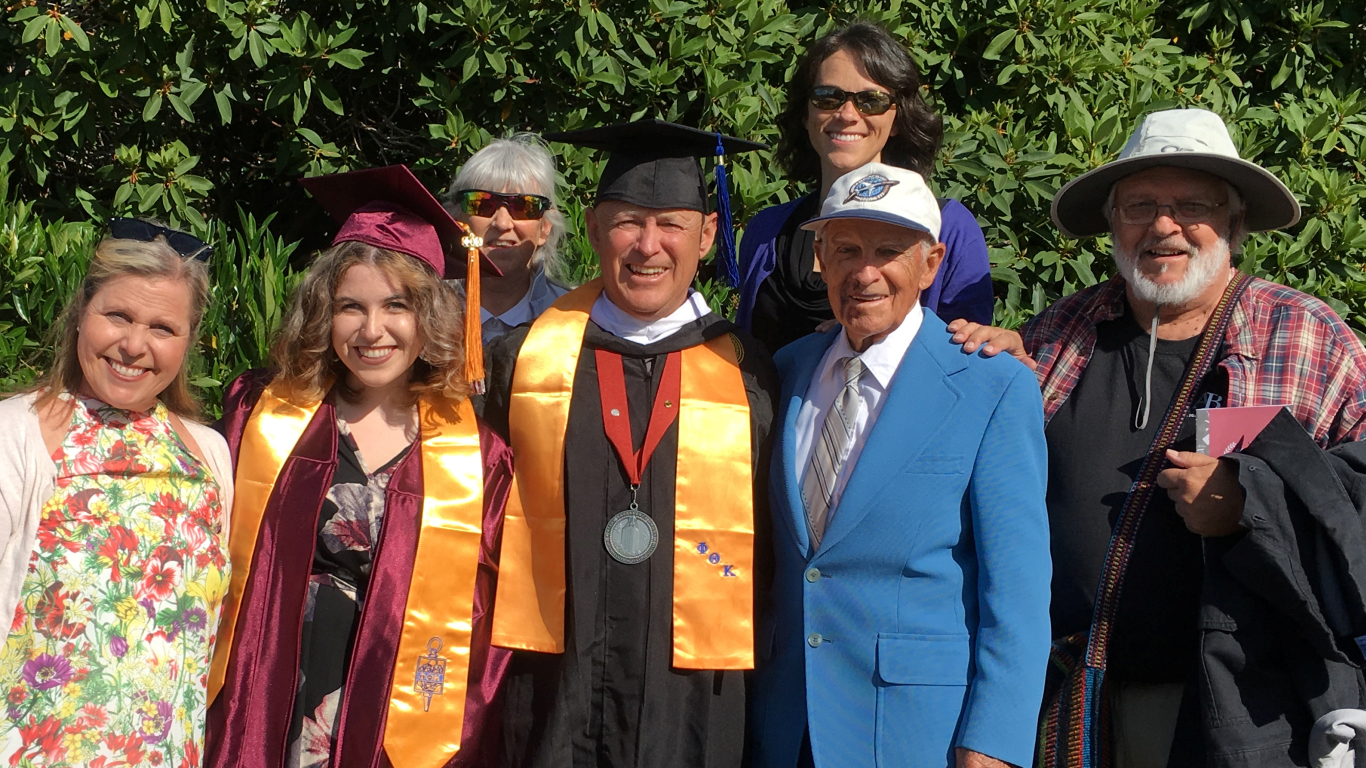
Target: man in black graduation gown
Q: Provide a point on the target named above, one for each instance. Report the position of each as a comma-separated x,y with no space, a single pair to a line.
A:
615,697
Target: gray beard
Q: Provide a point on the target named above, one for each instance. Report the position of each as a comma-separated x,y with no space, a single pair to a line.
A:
1201,270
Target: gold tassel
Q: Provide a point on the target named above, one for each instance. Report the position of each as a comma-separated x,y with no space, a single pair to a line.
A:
474,332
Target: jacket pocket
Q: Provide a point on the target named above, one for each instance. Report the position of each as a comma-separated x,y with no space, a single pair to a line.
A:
920,697
905,659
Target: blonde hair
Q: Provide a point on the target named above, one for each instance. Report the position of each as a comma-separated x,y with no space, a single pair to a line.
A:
115,258
303,353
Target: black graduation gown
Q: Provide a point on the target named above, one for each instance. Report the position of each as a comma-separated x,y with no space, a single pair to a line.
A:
613,698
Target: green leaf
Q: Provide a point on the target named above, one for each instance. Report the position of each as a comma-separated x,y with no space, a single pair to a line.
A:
257,46
180,107
152,107
223,99
77,34
998,44
34,28
350,58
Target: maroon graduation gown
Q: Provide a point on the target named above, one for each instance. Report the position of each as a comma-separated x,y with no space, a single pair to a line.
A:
248,724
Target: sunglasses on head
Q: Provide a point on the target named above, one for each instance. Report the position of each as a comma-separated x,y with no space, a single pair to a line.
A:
479,202
869,102
188,246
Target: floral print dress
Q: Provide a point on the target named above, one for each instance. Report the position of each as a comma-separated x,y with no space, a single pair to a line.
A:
106,663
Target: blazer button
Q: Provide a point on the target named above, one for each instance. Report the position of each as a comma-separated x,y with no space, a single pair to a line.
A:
814,639
813,575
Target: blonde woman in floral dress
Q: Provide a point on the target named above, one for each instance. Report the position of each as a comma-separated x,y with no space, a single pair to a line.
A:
113,521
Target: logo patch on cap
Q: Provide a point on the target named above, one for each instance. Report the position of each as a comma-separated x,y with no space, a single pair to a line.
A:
870,188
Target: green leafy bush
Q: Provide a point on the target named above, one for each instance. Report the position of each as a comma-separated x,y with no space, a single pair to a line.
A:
204,113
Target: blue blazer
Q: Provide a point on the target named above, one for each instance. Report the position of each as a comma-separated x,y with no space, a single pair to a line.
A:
921,623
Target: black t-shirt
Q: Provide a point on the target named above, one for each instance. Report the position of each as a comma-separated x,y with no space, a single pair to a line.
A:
1094,453
793,300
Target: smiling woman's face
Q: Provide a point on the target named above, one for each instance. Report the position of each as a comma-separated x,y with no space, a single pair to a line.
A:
374,328
845,138
508,242
133,339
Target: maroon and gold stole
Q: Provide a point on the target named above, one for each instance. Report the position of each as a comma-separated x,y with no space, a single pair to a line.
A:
713,579
427,697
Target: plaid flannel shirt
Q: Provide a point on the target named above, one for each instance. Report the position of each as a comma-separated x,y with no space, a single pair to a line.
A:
1282,347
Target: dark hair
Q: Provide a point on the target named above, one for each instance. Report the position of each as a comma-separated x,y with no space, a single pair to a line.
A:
918,130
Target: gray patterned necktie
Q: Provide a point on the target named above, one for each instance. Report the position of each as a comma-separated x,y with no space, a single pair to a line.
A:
830,450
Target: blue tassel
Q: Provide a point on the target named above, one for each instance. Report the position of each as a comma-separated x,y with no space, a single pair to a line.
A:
725,250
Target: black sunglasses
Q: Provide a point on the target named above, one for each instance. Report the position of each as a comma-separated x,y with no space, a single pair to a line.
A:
480,202
188,246
870,102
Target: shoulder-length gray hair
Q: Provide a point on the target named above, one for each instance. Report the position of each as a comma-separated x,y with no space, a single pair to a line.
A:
521,164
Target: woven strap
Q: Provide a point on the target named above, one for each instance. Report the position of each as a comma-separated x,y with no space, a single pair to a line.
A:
1145,484
1075,722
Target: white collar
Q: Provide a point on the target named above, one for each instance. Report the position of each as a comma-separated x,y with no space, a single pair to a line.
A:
616,322
882,357
516,315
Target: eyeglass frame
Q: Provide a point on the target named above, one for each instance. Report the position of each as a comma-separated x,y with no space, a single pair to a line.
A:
504,200
183,243
1174,214
847,96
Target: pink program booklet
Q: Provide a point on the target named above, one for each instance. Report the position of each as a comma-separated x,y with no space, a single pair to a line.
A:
1225,430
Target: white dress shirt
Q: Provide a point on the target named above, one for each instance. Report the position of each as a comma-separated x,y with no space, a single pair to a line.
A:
518,314
880,361
616,322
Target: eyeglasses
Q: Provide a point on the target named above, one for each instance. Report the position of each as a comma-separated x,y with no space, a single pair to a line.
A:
870,102
479,202
1182,211
187,245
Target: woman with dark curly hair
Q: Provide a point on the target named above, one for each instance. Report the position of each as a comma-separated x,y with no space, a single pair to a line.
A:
854,100
356,627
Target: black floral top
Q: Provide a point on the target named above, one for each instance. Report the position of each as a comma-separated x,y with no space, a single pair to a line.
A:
348,529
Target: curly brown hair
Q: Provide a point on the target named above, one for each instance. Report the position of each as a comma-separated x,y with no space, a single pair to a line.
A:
114,258
918,131
303,353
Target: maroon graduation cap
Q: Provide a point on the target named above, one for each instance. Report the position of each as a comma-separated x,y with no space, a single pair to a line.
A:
389,208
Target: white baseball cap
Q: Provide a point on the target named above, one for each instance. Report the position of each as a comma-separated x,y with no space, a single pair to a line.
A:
881,193
1184,138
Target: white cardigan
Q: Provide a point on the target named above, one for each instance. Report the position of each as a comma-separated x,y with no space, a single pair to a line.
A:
28,478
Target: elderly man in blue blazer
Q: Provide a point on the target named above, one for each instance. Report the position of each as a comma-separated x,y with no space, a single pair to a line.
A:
910,622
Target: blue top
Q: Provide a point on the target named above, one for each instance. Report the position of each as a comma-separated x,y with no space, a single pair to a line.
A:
962,289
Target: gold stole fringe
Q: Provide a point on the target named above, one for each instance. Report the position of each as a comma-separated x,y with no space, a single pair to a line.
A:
431,673
713,585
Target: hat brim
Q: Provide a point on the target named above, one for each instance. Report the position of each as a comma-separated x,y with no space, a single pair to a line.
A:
885,216
1078,208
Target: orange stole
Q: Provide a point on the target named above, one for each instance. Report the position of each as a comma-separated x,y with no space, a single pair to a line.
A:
427,699
713,585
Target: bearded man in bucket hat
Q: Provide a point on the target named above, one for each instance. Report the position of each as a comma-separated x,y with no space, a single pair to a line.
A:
1206,611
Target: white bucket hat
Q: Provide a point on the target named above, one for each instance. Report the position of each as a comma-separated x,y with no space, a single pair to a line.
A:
1184,138
881,193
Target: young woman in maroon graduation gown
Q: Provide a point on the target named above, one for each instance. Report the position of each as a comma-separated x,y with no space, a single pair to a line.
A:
357,624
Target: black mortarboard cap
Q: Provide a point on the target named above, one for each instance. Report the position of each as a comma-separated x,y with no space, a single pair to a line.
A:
654,163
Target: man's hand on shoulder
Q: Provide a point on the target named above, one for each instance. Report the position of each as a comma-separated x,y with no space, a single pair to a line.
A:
969,759
990,340
1206,491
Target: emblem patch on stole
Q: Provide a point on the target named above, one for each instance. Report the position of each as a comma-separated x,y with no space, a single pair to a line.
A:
430,677
871,187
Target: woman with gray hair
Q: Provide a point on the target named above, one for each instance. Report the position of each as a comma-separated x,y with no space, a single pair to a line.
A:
506,194
114,510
